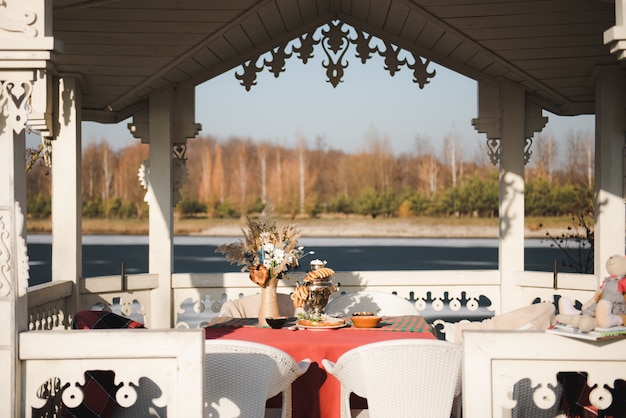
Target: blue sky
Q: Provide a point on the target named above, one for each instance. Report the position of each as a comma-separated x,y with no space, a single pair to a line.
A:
369,103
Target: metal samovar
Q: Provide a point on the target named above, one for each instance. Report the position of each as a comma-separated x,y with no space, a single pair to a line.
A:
320,290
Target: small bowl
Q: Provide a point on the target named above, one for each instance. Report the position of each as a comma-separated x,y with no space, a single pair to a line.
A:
365,321
276,322
363,313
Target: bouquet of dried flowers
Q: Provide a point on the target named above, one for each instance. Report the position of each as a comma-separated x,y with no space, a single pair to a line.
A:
267,252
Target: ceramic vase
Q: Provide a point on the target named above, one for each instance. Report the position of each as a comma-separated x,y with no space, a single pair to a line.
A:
269,302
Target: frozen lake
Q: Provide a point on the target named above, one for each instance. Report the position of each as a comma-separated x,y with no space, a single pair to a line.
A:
104,254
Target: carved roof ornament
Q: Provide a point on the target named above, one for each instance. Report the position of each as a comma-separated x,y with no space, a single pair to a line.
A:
336,39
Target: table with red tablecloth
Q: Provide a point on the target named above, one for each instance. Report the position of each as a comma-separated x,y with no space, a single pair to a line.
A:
316,394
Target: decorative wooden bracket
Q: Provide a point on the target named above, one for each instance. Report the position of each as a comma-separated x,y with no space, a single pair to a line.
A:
336,38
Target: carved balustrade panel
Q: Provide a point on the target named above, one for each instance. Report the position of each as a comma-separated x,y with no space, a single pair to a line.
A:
136,372
198,300
558,390
113,390
195,309
50,316
133,305
531,373
48,306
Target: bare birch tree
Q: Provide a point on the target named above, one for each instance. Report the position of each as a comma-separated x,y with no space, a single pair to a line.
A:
379,150
279,175
262,152
590,154
579,153
91,170
428,164
453,155
207,168
108,168
302,171
545,155
126,176
242,176
217,179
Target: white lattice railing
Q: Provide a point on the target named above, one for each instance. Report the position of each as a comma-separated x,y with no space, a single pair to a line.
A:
437,294
443,296
50,306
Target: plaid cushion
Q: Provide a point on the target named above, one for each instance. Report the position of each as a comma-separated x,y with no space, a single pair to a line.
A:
99,396
102,320
575,401
99,389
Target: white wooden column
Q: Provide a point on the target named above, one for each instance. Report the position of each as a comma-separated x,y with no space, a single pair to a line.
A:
66,187
13,261
609,185
511,230
15,89
24,100
165,125
161,252
508,119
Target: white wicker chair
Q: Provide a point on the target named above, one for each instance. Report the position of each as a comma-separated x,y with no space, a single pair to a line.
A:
401,378
383,303
240,376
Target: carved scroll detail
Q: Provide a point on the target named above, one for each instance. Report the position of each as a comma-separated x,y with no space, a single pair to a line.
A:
493,150
21,23
14,103
180,175
5,258
528,143
21,252
144,180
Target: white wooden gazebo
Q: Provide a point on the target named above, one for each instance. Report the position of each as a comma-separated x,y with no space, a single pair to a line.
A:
63,62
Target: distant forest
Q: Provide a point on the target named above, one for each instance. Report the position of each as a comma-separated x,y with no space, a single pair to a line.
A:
237,176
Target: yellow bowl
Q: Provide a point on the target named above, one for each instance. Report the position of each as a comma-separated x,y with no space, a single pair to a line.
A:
366,321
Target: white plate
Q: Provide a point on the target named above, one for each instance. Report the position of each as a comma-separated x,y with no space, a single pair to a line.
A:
321,327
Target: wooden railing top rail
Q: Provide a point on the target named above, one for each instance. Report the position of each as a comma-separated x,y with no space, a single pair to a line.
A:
130,282
49,292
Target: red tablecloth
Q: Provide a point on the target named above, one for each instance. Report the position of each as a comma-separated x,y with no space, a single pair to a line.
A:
316,394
